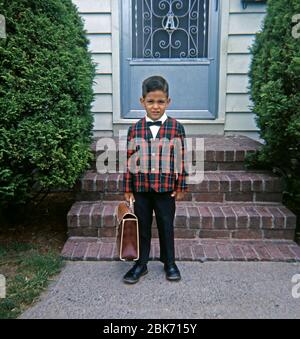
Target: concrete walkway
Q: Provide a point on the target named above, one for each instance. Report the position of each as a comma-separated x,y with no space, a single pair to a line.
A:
209,290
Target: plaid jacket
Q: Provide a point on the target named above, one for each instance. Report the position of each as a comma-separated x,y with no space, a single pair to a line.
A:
157,164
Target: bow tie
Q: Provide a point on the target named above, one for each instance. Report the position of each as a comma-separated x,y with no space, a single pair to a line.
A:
154,123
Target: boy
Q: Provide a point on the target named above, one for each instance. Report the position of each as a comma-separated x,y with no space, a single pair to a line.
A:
154,188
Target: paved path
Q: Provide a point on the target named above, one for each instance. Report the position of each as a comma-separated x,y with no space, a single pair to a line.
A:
209,290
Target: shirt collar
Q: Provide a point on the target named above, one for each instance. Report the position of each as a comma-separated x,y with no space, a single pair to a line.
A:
162,119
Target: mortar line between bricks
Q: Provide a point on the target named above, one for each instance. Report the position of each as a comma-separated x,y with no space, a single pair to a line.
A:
248,218
225,218
260,218
78,215
86,251
213,217
91,214
74,248
99,251
263,183
188,218
272,217
266,248
118,183
236,218
291,246
95,182
105,183
191,248
257,254
240,184
251,185
229,183
284,217
102,216
243,251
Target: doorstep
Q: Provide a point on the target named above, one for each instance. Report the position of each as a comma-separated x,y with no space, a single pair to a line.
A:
105,249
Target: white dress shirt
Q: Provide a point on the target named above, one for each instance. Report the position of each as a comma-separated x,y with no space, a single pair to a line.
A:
155,129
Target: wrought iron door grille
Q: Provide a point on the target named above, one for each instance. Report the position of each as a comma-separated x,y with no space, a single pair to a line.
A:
170,29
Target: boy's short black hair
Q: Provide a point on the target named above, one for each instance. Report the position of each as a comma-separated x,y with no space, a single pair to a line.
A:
155,83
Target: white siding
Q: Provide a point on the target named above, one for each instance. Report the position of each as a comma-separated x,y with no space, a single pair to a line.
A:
97,18
243,25
93,6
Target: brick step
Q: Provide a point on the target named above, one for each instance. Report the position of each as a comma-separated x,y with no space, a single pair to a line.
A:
96,249
221,153
215,187
194,220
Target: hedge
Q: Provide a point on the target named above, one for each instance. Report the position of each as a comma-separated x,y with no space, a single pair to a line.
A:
45,98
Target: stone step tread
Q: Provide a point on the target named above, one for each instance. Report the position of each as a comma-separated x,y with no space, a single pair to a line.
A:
217,143
193,215
212,181
96,249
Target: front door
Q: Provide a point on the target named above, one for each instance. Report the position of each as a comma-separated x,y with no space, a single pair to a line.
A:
176,39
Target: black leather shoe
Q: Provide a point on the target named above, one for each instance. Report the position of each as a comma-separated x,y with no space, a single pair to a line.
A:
134,274
172,272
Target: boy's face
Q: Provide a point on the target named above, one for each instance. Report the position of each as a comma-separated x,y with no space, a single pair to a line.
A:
155,104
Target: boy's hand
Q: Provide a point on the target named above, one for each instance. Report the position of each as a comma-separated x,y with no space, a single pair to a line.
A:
178,195
129,196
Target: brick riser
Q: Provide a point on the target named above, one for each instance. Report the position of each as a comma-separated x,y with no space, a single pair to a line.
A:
196,197
194,220
208,166
216,187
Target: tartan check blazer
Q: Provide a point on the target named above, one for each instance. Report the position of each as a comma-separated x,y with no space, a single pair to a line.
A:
157,164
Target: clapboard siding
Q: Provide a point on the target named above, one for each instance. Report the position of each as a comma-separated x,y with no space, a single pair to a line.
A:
243,25
103,63
103,84
97,18
237,83
240,43
238,63
241,121
100,43
97,23
104,120
238,103
102,103
93,6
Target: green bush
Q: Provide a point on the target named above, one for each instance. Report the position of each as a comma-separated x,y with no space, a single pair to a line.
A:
45,98
275,92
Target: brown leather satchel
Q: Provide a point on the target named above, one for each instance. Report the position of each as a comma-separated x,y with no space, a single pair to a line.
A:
128,233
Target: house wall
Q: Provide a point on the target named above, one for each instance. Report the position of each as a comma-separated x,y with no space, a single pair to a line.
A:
238,27
97,15
242,26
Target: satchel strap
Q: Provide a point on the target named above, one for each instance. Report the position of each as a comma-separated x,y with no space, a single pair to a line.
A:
131,205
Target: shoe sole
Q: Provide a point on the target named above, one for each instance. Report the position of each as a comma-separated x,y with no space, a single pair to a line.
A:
135,281
173,279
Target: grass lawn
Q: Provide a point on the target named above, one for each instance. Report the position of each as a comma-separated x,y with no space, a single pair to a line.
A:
28,269
30,248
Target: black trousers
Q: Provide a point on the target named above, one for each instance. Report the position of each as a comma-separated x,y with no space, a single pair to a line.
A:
164,207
